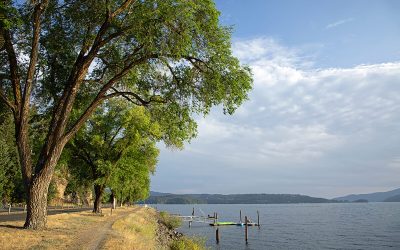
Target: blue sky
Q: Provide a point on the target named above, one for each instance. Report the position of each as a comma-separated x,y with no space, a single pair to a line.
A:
341,32
323,117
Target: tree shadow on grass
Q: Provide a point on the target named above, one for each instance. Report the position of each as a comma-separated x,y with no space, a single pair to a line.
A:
12,226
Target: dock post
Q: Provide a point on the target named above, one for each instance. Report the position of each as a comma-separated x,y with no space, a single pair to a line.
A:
240,215
217,235
193,212
245,230
258,218
216,217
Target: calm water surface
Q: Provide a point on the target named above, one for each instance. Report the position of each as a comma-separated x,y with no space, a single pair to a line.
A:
300,226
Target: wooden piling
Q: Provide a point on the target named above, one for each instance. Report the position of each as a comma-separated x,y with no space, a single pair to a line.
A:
246,229
240,216
193,212
258,218
217,235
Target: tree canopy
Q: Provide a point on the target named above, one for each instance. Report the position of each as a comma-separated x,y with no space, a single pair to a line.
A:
116,149
64,58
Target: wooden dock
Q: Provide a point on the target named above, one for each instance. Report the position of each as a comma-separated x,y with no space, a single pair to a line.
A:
229,223
213,220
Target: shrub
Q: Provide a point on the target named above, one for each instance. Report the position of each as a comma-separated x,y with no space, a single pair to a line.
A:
171,222
186,243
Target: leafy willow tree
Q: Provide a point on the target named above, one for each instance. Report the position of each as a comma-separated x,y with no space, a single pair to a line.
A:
116,144
61,55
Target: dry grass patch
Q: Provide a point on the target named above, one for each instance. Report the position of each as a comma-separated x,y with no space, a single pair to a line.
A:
63,230
135,231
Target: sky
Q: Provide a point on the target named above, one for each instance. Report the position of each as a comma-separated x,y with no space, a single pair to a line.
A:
323,116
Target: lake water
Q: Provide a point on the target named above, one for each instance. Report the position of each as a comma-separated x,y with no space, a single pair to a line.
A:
300,226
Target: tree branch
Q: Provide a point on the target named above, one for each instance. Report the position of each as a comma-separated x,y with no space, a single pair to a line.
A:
126,95
7,102
113,137
12,59
123,7
101,96
38,11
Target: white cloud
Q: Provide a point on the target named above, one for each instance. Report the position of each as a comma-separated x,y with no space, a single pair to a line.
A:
336,128
298,144
339,22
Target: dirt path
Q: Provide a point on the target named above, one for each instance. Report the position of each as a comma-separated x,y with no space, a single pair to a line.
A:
94,237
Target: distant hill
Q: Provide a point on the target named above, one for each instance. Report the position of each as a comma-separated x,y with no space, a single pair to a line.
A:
152,193
395,198
233,199
372,197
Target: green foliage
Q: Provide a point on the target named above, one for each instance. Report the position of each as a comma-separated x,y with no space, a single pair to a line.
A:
171,222
116,148
106,197
182,58
170,56
9,15
11,185
188,243
52,192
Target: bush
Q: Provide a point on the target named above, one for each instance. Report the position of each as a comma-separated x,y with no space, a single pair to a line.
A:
186,243
171,222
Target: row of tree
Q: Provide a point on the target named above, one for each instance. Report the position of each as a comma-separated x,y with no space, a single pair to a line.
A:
116,150
95,84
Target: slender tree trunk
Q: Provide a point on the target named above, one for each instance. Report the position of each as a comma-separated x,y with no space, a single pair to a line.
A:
113,200
98,191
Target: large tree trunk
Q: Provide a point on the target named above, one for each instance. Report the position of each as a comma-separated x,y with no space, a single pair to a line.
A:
36,217
98,192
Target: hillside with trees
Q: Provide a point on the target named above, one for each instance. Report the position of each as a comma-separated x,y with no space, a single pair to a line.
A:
234,199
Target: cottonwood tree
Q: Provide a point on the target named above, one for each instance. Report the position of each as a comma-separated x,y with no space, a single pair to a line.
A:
115,148
61,55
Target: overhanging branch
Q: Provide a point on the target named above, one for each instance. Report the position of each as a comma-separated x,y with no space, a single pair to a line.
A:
126,95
